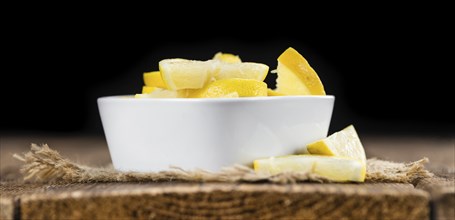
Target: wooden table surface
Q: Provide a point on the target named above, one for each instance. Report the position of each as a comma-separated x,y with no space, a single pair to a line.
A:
182,200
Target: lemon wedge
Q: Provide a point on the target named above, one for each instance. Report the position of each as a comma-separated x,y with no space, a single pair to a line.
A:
231,88
227,57
164,93
231,95
147,89
192,74
296,76
333,168
186,74
271,92
154,79
345,143
245,70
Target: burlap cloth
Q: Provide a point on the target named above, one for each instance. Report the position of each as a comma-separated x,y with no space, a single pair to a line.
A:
42,164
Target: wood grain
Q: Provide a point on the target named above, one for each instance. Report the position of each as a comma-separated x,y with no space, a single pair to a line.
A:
226,201
7,208
442,195
20,200
10,194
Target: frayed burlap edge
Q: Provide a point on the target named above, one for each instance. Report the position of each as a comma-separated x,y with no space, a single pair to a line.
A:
43,164
392,172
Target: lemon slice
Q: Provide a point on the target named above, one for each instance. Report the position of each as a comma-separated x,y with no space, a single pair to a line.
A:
333,168
245,70
186,74
231,95
192,74
164,93
231,88
154,79
345,143
227,57
147,89
296,76
271,92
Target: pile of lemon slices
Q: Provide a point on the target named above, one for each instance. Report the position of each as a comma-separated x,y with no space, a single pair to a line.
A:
339,157
226,76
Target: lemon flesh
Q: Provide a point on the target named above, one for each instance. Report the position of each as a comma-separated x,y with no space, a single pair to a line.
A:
231,95
231,88
227,57
154,79
271,92
245,70
192,74
296,76
163,93
147,89
345,143
186,74
333,168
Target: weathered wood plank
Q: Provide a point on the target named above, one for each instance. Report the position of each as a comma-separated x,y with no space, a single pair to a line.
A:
443,203
93,151
442,195
227,201
10,193
6,208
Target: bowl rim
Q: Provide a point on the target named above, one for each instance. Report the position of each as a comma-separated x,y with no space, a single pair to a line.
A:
130,98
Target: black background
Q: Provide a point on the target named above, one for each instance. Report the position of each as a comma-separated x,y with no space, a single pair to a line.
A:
389,70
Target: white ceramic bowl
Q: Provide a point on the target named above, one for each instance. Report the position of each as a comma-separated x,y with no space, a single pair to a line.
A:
152,134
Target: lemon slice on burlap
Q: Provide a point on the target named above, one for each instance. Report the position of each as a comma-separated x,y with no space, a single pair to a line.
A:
296,76
333,168
345,143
